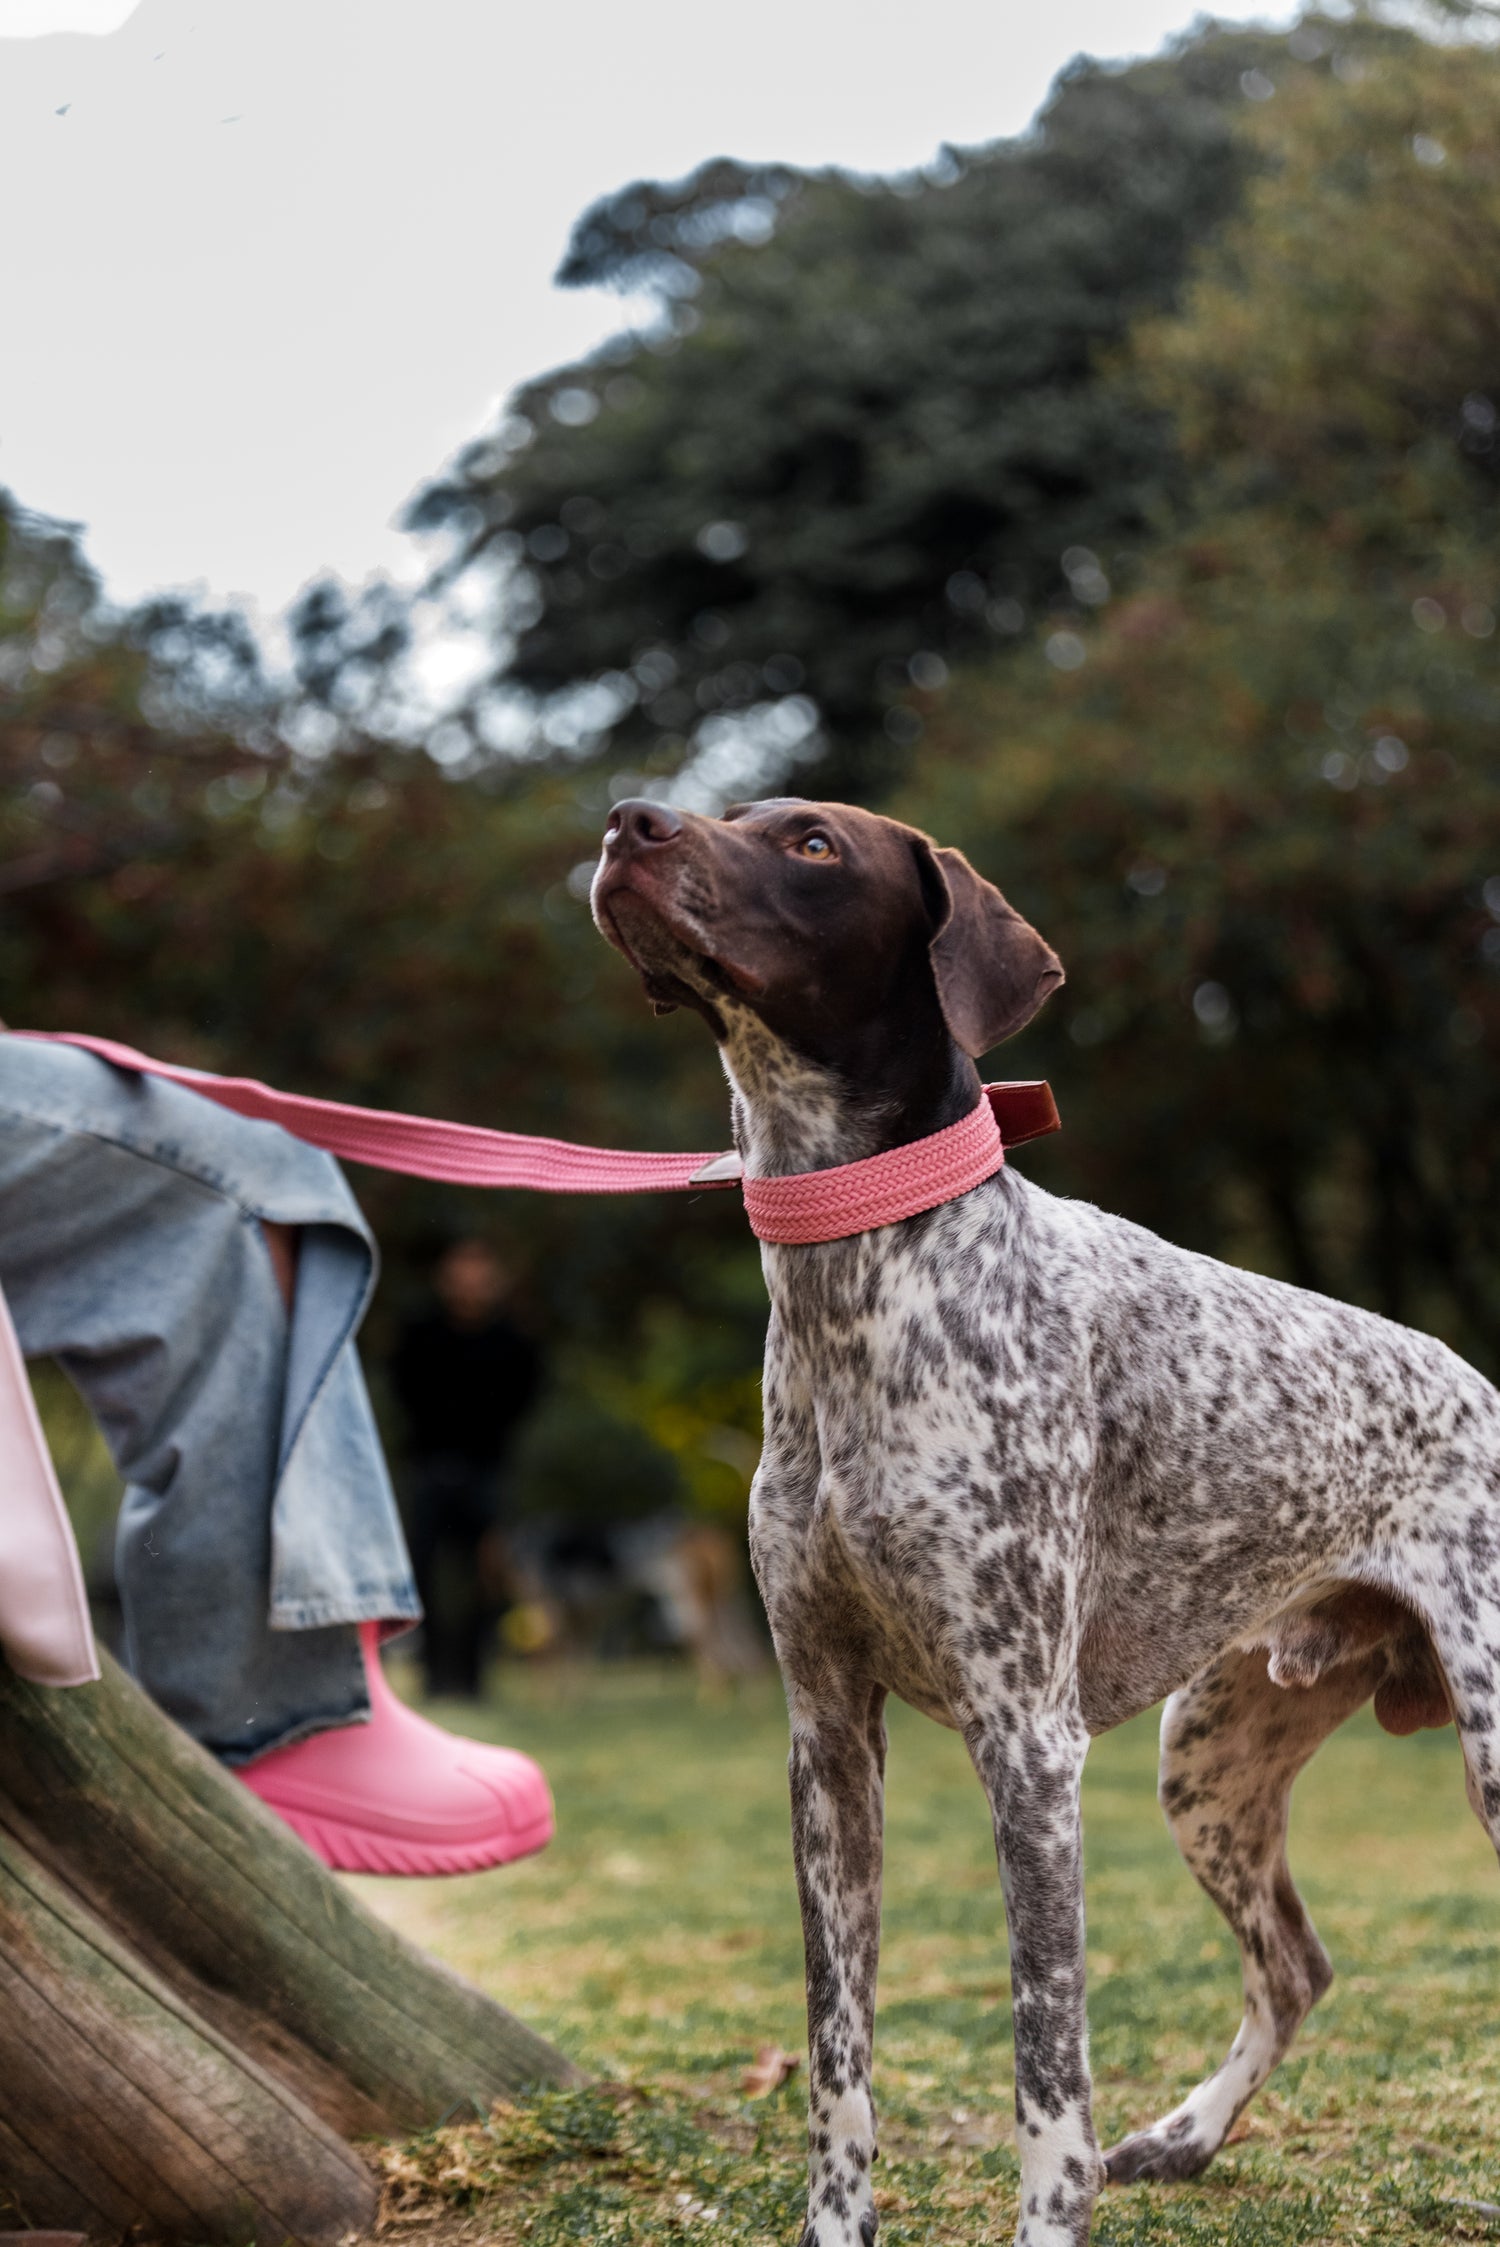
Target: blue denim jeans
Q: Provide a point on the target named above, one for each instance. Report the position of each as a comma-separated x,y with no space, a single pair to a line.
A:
258,1525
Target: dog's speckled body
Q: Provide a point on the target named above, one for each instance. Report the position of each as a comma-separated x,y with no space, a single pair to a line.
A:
1030,1468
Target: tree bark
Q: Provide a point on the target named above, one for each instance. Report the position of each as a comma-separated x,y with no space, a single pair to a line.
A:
194,2015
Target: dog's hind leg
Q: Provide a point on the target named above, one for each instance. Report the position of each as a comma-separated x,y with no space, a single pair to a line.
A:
1465,1627
1232,1742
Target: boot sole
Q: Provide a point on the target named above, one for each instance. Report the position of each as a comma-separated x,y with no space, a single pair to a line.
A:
344,1848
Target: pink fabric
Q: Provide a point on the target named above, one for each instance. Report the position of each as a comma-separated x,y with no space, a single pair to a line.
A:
458,1154
814,1205
829,1205
44,1612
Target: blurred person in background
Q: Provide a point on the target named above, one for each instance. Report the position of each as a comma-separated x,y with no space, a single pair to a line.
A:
465,1374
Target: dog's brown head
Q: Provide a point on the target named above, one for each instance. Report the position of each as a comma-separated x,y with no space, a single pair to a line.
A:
856,941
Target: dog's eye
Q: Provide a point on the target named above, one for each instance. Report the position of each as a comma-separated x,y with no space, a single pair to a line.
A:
814,846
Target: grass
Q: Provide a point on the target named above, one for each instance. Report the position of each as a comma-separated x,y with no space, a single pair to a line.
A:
657,1941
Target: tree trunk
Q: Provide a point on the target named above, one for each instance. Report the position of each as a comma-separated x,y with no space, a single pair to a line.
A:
194,2015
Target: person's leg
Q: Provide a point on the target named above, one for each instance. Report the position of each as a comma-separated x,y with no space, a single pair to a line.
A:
259,1546
453,1657
283,1245
450,1511
256,1491
157,1297
426,1530
475,1622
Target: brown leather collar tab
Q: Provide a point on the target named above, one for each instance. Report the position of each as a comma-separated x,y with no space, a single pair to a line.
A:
1024,1111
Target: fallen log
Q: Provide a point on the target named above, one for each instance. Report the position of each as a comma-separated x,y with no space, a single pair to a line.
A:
195,2017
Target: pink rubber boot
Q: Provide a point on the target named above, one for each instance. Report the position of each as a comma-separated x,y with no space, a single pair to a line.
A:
399,1795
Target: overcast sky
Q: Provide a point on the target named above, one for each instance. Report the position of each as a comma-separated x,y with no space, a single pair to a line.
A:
267,262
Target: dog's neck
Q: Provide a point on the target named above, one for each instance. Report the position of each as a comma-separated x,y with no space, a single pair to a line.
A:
795,1113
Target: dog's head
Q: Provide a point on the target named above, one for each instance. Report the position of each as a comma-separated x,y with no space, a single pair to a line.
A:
835,927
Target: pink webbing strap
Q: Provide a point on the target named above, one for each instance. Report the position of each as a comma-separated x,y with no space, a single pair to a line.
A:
455,1154
44,1609
813,1205
829,1205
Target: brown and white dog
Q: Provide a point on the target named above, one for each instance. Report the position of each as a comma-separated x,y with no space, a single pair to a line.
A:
1031,1469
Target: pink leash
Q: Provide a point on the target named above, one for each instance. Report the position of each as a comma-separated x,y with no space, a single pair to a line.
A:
814,1205
44,1624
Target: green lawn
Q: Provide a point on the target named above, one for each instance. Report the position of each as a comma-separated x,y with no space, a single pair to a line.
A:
657,1941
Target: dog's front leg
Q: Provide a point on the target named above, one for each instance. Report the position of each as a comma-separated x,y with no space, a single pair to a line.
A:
838,1781
1031,1764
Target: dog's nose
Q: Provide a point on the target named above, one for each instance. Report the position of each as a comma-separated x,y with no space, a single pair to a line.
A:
640,825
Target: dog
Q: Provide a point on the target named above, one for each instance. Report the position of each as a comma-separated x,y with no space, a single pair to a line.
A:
1032,1469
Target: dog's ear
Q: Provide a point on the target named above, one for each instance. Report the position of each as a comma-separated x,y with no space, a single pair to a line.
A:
991,968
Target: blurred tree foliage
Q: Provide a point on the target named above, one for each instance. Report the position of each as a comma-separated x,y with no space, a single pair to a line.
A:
358,924
107,752
1256,801
1203,377
869,429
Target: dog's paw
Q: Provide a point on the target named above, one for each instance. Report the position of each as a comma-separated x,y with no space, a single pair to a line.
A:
1162,2157
869,2225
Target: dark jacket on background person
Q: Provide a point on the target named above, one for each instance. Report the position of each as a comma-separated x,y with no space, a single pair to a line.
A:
465,1386
464,1389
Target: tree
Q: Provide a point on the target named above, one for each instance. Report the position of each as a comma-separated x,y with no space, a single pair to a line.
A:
1188,764
870,432
358,922
194,2016
105,740
1254,802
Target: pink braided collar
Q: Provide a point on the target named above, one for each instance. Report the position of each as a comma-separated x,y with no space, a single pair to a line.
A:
812,1205
829,1205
